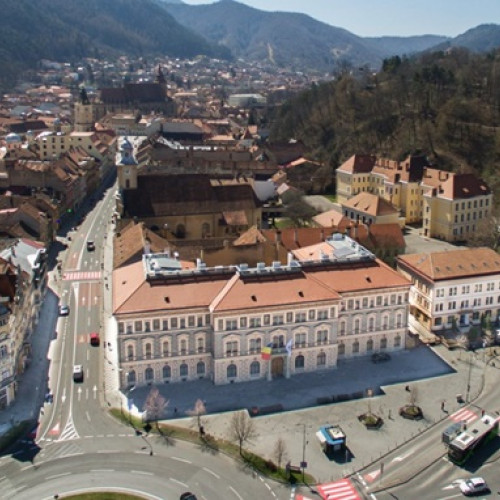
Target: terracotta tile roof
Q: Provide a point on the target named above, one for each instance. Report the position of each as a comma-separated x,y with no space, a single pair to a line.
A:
452,264
159,195
360,276
460,186
251,237
358,164
292,238
270,291
370,204
132,294
331,218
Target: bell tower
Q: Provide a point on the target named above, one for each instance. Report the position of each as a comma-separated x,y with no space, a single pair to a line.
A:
127,167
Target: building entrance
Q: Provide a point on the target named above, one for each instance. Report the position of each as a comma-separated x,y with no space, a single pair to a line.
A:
277,367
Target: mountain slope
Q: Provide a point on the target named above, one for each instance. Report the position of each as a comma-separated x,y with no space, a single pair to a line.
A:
398,45
277,37
482,38
70,29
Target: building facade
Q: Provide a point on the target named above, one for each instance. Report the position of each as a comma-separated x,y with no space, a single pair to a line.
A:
455,289
175,325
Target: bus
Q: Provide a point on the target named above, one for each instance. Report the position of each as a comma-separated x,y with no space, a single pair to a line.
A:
464,445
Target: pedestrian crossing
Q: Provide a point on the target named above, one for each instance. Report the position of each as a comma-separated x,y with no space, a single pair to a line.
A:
343,489
69,431
464,415
53,452
82,275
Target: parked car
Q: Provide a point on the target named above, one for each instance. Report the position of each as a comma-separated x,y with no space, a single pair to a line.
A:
473,485
380,357
63,310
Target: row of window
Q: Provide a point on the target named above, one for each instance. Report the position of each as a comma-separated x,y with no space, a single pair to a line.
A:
164,324
464,304
371,302
370,325
466,289
478,215
275,319
166,349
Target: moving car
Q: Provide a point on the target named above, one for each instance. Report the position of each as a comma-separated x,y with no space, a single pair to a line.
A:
94,338
63,310
473,485
90,245
78,373
188,496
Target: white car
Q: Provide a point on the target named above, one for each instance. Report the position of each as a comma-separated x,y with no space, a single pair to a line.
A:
473,485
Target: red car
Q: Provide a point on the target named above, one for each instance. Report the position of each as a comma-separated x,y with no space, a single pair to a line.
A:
94,338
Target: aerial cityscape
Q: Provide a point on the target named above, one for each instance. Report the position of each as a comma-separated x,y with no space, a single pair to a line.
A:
247,253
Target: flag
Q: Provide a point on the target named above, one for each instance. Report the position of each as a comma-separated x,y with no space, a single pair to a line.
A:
288,347
265,352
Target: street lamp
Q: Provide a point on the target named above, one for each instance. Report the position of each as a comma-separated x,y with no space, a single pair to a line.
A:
303,464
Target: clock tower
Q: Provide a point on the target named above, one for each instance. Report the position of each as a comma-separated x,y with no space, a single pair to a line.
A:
127,167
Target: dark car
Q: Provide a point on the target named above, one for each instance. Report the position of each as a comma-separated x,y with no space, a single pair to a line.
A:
188,496
90,246
380,357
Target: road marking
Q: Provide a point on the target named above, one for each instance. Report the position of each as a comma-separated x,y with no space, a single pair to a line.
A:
181,460
63,397
268,487
464,415
211,472
55,476
142,472
235,492
87,414
27,467
102,470
184,485
402,457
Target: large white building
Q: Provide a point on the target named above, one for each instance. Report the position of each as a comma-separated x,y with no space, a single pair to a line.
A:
455,288
176,324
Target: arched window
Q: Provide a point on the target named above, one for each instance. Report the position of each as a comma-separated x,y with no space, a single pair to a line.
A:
397,340
131,377
385,321
383,343
147,350
166,348
167,371
369,345
149,374
341,349
321,359
355,346
357,324
183,370
180,231
399,320
183,346
255,368
371,324
231,371
342,327
299,361
205,229
130,352
200,344
200,368
278,341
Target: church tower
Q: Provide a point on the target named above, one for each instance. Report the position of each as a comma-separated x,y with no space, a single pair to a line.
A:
127,167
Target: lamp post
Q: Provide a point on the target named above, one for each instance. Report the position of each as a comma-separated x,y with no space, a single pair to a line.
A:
303,464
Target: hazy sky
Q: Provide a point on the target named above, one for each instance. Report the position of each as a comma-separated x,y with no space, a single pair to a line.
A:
389,17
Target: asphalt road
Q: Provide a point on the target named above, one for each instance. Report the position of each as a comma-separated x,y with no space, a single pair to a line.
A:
79,446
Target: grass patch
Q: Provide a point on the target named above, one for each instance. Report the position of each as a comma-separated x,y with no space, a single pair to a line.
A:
210,444
283,223
14,433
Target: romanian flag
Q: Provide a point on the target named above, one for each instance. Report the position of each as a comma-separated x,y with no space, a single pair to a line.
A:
265,352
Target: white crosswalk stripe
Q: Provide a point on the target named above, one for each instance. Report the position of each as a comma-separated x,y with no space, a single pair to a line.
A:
68,449
464,415
69,431
82,275
339,490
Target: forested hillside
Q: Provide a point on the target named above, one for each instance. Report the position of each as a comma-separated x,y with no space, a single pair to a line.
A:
446,105
65,30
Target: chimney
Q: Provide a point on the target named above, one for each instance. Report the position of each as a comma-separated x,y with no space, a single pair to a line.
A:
289,259
322,233
278,237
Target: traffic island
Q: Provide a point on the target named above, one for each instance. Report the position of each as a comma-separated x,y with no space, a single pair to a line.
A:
371,421
411,412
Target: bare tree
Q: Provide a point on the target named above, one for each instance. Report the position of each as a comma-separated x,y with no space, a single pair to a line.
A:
154,405
413,395
198,410
242,428
280,452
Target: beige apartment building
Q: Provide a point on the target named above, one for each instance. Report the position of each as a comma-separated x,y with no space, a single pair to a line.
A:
176,324
449,205
454,288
